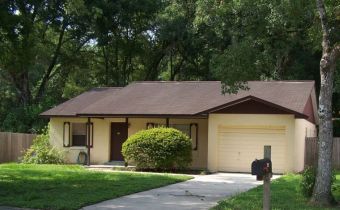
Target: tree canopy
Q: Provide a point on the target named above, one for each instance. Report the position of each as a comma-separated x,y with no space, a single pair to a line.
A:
54,50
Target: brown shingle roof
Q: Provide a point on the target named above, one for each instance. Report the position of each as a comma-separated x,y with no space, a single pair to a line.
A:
76,104
180,98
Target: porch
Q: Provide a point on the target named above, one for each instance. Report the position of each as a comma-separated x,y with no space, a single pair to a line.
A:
107,134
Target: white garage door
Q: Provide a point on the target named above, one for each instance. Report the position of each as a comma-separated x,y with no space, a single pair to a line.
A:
238,146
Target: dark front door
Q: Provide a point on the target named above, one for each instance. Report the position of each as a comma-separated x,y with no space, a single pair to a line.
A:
119,133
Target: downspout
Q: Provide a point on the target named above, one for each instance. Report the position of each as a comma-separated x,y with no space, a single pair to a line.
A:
88,141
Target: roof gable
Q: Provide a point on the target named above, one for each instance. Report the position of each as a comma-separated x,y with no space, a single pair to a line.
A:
253,105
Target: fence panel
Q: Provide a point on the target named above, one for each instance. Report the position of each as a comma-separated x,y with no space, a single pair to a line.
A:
311,152
13,144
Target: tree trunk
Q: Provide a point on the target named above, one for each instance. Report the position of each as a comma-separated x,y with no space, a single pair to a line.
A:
322,194
322,190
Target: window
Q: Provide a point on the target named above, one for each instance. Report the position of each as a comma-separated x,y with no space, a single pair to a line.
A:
185,128
75,134
79,134
189,129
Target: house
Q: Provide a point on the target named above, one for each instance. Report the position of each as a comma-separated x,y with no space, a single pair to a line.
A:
228,131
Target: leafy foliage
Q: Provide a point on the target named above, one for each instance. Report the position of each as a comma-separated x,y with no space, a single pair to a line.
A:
54,50
158,148
308,181
41,152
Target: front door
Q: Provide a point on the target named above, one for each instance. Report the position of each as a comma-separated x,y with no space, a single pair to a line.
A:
119,133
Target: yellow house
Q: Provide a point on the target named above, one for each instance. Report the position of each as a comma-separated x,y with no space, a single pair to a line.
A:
228,131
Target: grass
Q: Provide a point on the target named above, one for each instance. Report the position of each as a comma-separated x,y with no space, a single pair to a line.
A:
71,186
285,194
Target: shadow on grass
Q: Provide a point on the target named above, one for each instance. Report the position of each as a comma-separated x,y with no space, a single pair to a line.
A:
68,187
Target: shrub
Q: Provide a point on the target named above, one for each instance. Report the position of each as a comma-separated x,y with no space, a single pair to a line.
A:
308,181
158,148
41,151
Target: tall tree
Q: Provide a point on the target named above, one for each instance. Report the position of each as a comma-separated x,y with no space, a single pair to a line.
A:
330,53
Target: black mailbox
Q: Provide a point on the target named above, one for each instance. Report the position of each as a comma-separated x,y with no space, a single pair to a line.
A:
261,167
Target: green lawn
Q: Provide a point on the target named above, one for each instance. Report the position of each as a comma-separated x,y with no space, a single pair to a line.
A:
285,195
71,186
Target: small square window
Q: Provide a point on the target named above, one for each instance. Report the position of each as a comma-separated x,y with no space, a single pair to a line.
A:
78,134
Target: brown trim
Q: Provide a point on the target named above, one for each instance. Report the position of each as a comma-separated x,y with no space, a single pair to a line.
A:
248,98
102,116
69,134
89,142
196,140
309,111
49,116
91,130
127,122
188,116
167,122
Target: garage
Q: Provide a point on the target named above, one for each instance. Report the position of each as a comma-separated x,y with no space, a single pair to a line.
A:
239,145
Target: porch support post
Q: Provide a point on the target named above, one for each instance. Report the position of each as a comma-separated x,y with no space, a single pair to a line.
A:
88,141
167,122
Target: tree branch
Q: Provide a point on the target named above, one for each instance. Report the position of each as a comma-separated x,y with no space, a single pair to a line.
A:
326,46
53,62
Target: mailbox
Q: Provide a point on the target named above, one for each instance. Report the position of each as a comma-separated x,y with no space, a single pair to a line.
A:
261,167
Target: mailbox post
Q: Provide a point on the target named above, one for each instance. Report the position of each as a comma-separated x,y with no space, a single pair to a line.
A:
266,181
263,171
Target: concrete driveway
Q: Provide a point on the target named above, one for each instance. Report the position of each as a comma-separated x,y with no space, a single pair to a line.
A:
202,192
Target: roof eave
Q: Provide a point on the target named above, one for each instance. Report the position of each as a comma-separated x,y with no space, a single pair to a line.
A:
250,97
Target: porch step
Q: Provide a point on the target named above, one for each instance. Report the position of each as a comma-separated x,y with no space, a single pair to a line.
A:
112,165
115,163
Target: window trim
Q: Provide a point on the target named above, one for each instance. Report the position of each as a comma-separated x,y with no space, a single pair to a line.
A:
69,134
91,138
196,133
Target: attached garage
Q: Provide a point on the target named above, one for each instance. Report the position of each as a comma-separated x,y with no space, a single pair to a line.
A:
238,146
235,140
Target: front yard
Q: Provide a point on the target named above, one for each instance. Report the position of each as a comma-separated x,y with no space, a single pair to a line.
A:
71,186
285,195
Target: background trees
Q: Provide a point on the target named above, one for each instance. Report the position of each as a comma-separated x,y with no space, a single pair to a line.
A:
53,50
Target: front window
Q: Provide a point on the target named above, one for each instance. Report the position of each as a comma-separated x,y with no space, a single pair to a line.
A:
75,134
78,134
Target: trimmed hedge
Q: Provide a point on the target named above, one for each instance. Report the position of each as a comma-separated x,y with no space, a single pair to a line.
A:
158,149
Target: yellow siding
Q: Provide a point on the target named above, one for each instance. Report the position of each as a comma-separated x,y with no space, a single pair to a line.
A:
244,133
303,128
222,130
100,153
